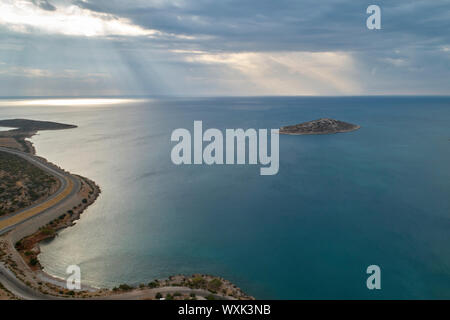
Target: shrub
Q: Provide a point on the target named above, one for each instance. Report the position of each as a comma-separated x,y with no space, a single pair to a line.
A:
214,285
125,287
158,295
198,282
34,261
47,231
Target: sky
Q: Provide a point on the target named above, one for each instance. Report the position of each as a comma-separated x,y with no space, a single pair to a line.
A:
223,48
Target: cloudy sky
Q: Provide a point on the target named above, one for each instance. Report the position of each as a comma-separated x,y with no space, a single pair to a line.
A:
226,47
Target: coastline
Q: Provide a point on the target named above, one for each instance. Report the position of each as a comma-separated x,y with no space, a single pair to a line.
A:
36,229
19,250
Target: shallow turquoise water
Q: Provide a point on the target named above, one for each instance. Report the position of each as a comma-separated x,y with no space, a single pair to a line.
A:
379,195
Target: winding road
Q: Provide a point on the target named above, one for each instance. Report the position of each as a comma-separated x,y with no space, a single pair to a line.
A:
18,288
69,186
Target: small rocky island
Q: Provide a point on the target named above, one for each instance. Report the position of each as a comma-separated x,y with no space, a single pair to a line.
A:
320,126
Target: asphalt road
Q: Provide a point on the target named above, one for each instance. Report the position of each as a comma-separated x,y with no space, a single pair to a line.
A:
18,288
69,187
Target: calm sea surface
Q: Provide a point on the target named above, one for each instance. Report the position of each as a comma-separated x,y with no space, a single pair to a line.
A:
379,195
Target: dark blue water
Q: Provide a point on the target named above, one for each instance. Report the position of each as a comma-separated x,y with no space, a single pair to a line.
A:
379,195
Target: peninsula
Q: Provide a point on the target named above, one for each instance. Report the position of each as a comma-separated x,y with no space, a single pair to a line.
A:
320,126
22,129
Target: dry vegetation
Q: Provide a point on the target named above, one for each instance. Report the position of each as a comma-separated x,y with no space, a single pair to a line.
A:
5,294
22,184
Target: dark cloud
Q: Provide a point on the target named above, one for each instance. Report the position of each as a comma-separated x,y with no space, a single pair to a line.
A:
290,24
44,4
410,54
87,5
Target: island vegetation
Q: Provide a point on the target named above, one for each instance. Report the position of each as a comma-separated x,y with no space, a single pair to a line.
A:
320,126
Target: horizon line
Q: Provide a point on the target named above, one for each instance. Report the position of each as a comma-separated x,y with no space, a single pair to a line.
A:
156,96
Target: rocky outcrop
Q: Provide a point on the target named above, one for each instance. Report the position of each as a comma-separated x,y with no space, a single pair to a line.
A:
320,126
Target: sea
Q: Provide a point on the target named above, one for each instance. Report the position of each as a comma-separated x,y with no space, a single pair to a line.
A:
339,203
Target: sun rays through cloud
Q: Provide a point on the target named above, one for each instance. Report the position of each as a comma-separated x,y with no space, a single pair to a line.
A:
198,48
289,73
